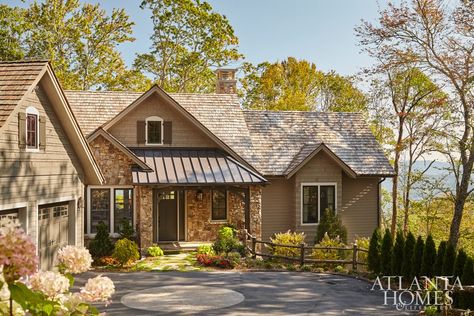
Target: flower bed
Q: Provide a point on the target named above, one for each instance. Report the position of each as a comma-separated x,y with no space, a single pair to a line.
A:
214,261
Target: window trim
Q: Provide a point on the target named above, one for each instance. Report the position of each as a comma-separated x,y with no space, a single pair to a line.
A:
220,221
153,119
318,184
111,188
31,110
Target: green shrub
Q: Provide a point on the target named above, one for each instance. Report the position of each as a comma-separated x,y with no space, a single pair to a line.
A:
126,229
101,245
459,264
448,260
386,253
438,266
397,254
288,238
374,252
331,224
363,243
417,257
329,254
154,251
227,241
408,255
126,251
429,258
205,249
468,272
340,269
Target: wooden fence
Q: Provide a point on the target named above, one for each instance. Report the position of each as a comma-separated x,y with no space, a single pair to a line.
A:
251,243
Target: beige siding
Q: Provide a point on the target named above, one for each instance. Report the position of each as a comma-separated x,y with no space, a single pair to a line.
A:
39,177
277,207
321,169
359,206
185,134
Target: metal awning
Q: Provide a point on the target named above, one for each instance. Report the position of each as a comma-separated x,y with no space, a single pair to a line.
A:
191,167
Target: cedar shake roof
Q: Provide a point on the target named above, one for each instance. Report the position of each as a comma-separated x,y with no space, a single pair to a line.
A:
16,78
272,142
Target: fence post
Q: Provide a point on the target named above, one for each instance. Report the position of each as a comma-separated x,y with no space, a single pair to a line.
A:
302,254
354,257
254,242
244,238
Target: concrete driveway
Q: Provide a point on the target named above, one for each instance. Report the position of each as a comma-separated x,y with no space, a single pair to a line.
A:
264,293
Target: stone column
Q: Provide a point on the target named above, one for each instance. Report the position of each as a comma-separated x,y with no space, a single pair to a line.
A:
145,215
256,211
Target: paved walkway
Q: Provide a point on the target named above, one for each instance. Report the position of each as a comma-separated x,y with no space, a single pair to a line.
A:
263,293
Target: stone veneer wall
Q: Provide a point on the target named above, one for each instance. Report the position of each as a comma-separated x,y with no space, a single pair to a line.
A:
144,215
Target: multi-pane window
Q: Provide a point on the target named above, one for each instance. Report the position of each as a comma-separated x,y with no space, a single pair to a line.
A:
154,131
32,130
123,208
99,208
316,199
219,205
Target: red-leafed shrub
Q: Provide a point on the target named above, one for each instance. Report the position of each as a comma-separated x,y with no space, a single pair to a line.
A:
215,261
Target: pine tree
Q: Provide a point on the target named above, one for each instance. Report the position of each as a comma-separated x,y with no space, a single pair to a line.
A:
101,245
448,260
417,257
408,255
438,267
459,264
468,272
397,254
374,252
386,253
429,258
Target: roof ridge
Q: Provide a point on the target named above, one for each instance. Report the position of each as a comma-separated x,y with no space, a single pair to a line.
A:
24,61
297,111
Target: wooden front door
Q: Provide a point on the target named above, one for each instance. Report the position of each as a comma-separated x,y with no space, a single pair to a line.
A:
171,219
53,225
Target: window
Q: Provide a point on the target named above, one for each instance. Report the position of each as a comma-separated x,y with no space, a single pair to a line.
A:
99,208
315,200
219,205
32,115
123,209
154,130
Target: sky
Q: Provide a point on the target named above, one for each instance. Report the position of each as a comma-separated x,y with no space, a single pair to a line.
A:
321,31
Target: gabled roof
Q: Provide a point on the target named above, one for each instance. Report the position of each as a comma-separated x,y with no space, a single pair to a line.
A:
270,141
17,79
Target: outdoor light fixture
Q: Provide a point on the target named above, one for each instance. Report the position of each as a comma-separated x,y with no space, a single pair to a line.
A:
199,195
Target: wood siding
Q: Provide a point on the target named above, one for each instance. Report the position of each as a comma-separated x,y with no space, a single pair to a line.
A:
277,207
184,133
43,176
359,206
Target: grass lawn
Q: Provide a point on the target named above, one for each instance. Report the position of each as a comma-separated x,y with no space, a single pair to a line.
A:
171,262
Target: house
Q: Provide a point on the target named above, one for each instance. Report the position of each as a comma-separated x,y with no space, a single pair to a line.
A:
177,166
45,161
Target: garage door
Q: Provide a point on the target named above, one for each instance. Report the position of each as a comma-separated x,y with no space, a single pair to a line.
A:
53,222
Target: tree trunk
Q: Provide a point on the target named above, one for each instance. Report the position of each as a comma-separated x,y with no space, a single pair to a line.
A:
396,162
460,201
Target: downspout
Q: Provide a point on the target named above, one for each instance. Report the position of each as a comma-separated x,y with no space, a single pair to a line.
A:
379,206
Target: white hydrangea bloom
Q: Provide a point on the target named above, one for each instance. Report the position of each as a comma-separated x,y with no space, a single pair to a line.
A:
98,289
49,283
75,259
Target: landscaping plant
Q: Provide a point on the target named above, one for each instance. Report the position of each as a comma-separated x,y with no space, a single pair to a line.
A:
386,253
289,238
205,249
408,255
459,264
429,257
126,251
101,245
417,257
362,243
438,266
219,261
329,254
374,252
154,251
331,224
448,260
468,272
227,241
126,229
397,254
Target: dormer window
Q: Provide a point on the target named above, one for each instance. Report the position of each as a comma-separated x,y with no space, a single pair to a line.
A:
32,128
154,130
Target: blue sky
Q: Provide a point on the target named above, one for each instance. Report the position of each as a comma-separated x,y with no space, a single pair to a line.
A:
321,31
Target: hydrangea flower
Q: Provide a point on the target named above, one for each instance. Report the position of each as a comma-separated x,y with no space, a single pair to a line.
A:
17,251
74,259
50,283
98,289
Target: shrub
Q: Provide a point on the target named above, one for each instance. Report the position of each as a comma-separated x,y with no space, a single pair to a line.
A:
448,260
468,272
429,257
329,254
227,241
438,266
408,255
386,253
205,249
154,251
288,238
332,225
107,261
101,245
126,251
459,264
126,229
218,261
397,254
374,252
417,257
363,243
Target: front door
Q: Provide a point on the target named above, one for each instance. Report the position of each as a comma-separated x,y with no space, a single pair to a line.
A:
168,216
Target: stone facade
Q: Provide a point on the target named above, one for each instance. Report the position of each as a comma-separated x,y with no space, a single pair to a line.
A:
144,215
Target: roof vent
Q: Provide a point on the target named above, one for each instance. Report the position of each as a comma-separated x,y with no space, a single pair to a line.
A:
226,82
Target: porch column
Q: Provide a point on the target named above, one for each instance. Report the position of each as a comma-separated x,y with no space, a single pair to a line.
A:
256,211
144,206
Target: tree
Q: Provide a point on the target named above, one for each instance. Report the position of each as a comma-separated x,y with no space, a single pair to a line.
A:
459,264
417,257
438,266
331,224
448,260
431,35
386,253
188,40
429,257
12,24
408,255
468,272
101,245
397,254
374,252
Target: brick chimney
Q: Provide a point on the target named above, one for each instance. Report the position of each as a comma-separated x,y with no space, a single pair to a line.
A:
225,81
